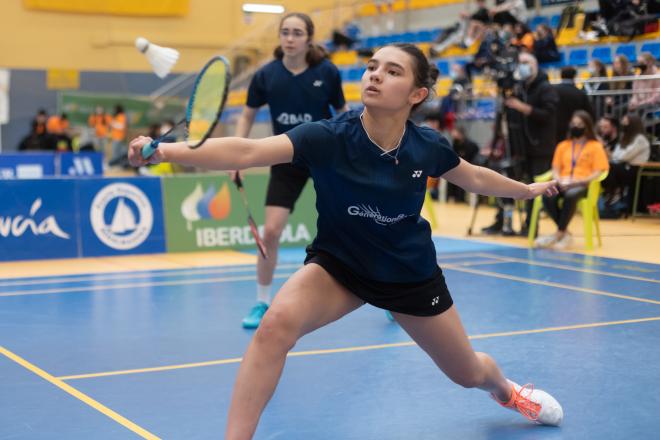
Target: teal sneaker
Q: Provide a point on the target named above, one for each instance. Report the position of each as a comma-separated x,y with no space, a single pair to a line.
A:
389,315
253,318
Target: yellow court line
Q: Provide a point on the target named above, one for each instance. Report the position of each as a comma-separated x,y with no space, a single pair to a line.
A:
131,286
549,283
79,395
356,348
561,266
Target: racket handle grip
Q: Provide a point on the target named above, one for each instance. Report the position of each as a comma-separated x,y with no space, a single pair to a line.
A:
149,149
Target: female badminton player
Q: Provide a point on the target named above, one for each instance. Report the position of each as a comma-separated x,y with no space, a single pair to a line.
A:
369,170
299,85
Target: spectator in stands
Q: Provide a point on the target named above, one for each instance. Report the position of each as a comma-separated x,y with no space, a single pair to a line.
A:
509,12
58,127
595,88
100,122
118,129
39,122
646,92
38,139
466,149
477,22
523,37
577,161
485,53
571,99
633,150
617,104
607,131
345,38
545,48
537,111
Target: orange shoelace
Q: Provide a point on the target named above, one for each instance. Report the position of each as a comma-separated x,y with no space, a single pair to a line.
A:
521,401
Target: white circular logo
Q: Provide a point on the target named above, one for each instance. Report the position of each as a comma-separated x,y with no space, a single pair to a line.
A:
121,216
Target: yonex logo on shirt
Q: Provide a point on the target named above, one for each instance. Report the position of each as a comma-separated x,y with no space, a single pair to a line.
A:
317,83
369,212
435,301
417,173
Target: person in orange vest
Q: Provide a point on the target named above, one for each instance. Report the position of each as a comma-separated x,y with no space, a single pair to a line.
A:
58,126
100,122
118,129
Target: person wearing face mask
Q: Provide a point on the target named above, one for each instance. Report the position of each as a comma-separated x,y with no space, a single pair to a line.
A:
633,150
577,161
608,133
536,109
570,99
646,92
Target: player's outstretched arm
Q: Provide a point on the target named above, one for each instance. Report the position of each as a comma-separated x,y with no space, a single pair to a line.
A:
228,153
487,182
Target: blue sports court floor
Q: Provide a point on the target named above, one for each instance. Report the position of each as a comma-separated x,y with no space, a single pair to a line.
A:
154,354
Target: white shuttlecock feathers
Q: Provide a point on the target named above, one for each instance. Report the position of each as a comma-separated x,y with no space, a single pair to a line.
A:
162,59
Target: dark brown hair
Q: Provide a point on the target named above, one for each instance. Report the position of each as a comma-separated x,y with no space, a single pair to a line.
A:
425,73
588,124
630,131
601,70
315,53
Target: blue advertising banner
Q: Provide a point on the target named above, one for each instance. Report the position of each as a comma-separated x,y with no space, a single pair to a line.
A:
121,216
38,219
79,164
26,165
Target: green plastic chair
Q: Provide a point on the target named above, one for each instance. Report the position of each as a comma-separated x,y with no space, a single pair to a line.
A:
588,205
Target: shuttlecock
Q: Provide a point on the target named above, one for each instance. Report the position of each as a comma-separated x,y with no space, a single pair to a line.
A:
162,59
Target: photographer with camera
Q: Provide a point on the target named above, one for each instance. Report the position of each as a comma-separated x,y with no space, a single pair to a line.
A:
529,107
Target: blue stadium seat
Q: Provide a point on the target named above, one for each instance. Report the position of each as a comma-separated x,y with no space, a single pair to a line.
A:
355,74
654,48
556,64
443,67
578,57
603,54
629,50
537,20
424,36
554,21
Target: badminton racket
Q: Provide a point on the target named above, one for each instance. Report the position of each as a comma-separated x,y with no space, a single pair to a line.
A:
205,105
250,220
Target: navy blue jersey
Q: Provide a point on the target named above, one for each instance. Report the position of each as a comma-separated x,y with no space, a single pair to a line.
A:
294,99
369,207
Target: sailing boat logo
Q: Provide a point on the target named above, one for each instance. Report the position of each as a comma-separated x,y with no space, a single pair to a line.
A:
121,216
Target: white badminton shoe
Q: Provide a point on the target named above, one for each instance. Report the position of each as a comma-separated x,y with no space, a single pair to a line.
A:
535,405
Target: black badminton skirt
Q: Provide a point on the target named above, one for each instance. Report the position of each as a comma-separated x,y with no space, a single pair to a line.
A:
426,298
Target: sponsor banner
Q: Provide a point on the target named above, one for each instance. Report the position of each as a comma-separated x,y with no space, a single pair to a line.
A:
26,165
205,212
121,216
38,219
80,164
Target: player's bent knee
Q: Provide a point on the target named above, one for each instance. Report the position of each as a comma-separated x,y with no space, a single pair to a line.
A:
271,235
276,331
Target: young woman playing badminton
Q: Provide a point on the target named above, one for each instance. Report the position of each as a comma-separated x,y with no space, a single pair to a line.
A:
369,170
299,86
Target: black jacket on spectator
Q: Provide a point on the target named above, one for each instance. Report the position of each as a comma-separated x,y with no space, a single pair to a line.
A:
540,124
570,99
545,50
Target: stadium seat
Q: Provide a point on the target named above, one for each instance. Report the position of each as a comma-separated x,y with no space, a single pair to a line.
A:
537,20
603,54
578,57
629,50
554,21
443,67
653,48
